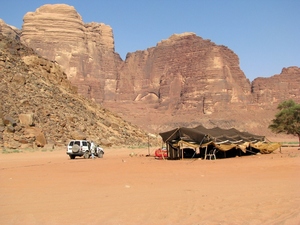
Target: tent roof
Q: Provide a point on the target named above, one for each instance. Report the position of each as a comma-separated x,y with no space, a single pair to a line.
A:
183,133
222,139
201,135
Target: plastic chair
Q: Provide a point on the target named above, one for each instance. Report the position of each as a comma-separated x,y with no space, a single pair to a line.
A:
211,154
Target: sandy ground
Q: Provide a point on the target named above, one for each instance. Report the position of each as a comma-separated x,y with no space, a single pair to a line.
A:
49,188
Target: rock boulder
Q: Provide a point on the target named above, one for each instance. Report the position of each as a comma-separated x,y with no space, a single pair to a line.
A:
26,119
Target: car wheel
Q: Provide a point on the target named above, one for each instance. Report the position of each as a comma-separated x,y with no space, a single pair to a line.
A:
75,148
86,154
72,156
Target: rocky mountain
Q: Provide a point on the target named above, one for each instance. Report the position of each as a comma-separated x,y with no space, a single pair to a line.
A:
182,81
270,91
41,108
85,51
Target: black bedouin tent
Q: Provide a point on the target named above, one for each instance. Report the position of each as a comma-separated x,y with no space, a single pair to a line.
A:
213,140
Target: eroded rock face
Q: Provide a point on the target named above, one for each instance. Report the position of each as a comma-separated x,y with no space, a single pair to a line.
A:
186,80
182,81
9,31
184,72
40,107
85,51
271,91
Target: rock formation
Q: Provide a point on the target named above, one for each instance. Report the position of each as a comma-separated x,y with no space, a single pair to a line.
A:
182,81
271,91
85,51
9,31
186,80
184,72
40,107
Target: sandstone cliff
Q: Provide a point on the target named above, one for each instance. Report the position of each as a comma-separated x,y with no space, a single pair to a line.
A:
85,51
184,72
271,91
186,80
182,81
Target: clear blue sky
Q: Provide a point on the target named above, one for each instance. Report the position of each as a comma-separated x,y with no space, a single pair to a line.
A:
265,34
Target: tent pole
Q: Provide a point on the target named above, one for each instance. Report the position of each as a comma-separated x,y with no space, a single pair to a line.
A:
168,150
205,148
148,147
172,134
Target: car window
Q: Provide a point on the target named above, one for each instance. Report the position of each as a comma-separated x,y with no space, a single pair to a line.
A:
77,143
84,143
71,143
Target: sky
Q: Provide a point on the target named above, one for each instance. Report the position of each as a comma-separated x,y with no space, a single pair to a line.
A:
265,34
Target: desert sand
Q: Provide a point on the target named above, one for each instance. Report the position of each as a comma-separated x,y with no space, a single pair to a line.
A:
46,187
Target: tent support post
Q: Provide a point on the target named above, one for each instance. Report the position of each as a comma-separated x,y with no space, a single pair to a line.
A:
205,152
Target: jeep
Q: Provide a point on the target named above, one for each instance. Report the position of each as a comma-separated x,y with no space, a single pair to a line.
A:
82,148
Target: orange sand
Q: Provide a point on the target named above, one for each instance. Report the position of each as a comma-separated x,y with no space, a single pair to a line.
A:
49,188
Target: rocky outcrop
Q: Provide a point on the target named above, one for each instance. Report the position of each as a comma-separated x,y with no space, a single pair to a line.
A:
9,31
40,107
182,81
177,74
85,51
184,72
273,90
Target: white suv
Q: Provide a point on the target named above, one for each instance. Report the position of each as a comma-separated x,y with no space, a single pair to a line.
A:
82,148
